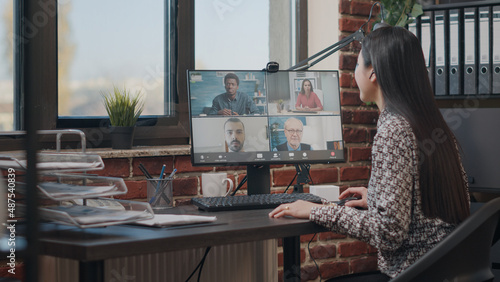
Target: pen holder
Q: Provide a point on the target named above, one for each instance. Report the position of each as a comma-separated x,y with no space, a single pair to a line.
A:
160,194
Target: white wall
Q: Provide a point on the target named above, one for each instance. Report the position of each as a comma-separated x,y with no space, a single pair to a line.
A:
323,23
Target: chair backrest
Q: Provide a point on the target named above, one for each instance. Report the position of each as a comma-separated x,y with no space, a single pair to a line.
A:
464,255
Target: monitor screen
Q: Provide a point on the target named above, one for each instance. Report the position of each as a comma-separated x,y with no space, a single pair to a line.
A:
258,117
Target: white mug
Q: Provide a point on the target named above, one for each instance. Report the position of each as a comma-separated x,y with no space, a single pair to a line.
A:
214,184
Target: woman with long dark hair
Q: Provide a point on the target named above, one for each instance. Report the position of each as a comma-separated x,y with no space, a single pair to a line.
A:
418,191
307,100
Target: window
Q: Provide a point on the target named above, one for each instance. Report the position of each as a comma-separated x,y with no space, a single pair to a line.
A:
7,105
121,44
77,48
243,34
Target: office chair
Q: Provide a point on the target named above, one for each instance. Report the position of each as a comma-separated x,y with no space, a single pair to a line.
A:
464,255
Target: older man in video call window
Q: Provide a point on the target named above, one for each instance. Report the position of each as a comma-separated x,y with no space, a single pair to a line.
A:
293,133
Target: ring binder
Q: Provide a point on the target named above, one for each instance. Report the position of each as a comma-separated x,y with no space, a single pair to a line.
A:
439,39
496,51
455,74
470,81
484,71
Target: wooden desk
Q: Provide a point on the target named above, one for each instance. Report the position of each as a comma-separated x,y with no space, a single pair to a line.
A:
94,245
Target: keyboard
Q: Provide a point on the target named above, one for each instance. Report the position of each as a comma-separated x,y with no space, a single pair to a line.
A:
251,202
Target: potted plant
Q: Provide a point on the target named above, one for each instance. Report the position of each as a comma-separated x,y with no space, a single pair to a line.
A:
123,110
401,12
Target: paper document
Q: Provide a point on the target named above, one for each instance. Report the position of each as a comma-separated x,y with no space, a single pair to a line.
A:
176,219
63,189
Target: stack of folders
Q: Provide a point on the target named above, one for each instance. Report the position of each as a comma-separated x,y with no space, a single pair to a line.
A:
466,57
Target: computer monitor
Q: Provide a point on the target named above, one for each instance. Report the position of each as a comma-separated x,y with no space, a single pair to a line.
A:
274,120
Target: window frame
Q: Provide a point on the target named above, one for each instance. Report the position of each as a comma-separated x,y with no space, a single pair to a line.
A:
43,69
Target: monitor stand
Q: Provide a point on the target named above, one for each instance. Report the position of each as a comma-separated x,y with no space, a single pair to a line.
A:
258,179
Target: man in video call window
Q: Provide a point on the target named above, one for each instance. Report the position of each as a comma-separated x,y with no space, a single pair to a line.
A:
293,132
233,102
234,133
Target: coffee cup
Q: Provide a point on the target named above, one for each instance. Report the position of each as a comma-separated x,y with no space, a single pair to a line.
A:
215,184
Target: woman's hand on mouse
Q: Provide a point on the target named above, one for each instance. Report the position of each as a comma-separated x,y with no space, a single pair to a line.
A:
358,192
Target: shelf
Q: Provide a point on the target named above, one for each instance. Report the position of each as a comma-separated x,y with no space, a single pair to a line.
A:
119,212
55,162
60,187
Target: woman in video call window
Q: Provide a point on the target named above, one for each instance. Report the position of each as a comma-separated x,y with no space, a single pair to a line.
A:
307,99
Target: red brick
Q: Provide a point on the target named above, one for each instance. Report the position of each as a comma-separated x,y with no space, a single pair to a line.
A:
333,269
356,46
280,276
306,238
345,79
136,190
230,168
354,135
350,249
363,8
347,24
347,62
365,117
360,154
364,264
347,116
354,173
183,164
18,274
323,251
115,168
372,250
302,257
308,273
350,98
345,7
153,165
282,177
325,175
185,186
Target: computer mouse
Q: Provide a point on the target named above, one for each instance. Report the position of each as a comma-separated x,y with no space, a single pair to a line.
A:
345,200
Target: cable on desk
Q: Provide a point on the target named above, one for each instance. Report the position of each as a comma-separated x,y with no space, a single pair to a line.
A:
309,250
200,265
290,184
239,185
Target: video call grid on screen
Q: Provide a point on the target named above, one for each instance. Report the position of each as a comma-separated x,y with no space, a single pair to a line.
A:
255,133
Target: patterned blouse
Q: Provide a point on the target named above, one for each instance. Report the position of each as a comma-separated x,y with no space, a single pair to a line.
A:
394,222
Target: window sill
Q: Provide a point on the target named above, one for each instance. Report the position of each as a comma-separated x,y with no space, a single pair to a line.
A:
139,151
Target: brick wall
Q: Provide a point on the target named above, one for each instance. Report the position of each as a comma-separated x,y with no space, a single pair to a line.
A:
335,254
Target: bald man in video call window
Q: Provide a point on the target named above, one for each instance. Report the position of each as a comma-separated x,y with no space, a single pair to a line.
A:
294,129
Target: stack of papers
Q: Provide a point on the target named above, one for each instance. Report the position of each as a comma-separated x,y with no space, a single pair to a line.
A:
176,219
62,190
85,216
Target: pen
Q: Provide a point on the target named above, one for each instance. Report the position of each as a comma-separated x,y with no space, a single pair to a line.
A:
172,174
145,171
158,185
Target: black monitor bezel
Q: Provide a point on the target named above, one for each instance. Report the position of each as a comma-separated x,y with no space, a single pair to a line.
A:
263,162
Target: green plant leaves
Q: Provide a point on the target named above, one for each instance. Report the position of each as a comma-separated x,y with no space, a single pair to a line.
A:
122,108
401,12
